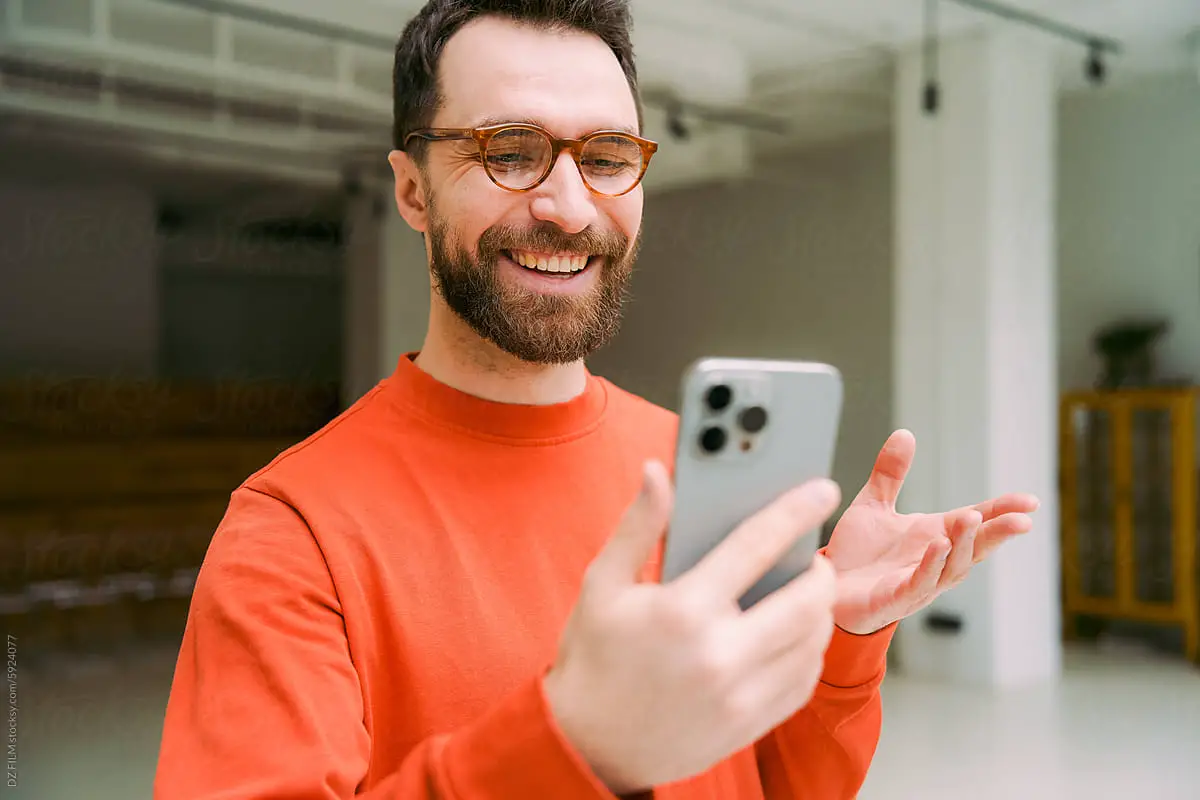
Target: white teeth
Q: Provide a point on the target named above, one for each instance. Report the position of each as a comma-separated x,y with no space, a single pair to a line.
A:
563,264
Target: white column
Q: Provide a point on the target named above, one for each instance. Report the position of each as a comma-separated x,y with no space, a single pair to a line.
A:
975,341
386,292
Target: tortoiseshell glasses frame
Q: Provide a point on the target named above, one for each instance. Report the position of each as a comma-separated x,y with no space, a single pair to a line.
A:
487,136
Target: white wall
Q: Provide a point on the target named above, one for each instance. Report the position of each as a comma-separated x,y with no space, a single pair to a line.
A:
794,263
1129,220
78,289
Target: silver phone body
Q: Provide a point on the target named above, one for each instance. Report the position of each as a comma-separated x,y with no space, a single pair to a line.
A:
716,491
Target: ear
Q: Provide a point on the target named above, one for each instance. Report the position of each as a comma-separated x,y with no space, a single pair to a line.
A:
410,190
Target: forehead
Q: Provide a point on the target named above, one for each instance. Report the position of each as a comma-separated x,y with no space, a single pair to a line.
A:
494,69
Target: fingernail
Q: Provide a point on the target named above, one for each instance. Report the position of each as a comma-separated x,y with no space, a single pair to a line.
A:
825,491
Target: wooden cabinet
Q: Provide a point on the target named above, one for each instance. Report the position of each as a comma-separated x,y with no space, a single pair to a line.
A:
1129,486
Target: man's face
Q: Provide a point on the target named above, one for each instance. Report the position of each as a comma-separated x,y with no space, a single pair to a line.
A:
486,244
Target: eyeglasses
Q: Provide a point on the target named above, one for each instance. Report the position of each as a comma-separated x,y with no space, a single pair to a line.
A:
519,156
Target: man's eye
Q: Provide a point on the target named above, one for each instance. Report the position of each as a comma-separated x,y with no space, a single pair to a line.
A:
609,165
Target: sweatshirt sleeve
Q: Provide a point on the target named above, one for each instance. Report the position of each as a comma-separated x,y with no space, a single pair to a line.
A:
266,702
825,749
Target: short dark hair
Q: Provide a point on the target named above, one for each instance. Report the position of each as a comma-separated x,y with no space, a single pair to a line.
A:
416,95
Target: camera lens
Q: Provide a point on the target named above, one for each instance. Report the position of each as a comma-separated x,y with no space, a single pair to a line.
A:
712,440
753,419
719,397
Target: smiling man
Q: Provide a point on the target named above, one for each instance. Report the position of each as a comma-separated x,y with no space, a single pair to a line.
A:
449,592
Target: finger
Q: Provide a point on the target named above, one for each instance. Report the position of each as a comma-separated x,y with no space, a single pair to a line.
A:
622,558
964,527
922,586
786,617
785,683
729,570
1008,504
890,470
996,532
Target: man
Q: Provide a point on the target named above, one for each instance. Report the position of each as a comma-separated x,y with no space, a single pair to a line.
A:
449,591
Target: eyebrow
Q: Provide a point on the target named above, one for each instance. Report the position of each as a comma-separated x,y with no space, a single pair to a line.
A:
487,121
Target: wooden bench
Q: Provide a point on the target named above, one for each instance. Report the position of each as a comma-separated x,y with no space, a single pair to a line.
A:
110,493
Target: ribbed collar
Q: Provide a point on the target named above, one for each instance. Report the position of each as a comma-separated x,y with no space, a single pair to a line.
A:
418,392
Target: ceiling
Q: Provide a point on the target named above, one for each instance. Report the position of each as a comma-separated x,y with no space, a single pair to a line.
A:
826,64
823,65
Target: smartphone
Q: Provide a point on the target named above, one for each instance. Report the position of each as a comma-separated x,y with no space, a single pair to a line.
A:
749,430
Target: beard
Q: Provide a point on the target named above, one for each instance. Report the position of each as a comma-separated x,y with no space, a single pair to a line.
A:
533,327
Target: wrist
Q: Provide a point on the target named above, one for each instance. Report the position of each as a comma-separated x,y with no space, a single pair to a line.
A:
573,731
855,660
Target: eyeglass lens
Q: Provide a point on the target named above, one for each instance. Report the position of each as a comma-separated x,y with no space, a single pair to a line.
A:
517,158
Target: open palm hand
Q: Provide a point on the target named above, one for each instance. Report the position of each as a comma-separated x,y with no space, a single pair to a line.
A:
891,565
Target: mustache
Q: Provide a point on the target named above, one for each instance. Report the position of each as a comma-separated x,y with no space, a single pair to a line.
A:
549,238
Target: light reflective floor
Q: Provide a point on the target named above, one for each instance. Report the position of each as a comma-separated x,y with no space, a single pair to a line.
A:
1125,723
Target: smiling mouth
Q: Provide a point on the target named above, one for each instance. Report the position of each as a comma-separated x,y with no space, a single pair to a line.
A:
552,264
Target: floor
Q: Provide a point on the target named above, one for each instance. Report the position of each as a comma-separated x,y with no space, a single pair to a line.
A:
1123,724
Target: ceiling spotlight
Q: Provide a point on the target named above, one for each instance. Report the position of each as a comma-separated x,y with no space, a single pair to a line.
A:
931,97
676,126
1094,67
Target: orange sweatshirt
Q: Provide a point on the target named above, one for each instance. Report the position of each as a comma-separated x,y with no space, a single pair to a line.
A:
379,604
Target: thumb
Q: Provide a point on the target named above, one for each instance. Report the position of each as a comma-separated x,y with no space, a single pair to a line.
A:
890,469
643,525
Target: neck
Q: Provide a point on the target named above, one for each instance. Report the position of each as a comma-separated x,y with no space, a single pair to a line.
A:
455,355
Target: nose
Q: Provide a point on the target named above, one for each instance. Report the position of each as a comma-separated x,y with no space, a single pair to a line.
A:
564,198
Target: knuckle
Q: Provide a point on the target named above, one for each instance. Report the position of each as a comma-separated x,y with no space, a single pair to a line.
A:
677,615
714,664
602,619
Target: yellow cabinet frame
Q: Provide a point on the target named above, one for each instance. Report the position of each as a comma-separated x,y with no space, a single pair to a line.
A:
1121,405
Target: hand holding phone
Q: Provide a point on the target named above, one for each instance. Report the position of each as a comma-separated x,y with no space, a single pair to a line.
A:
749,431
655,683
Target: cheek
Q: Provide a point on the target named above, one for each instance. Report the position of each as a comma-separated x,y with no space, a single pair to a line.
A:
626,214
470,208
